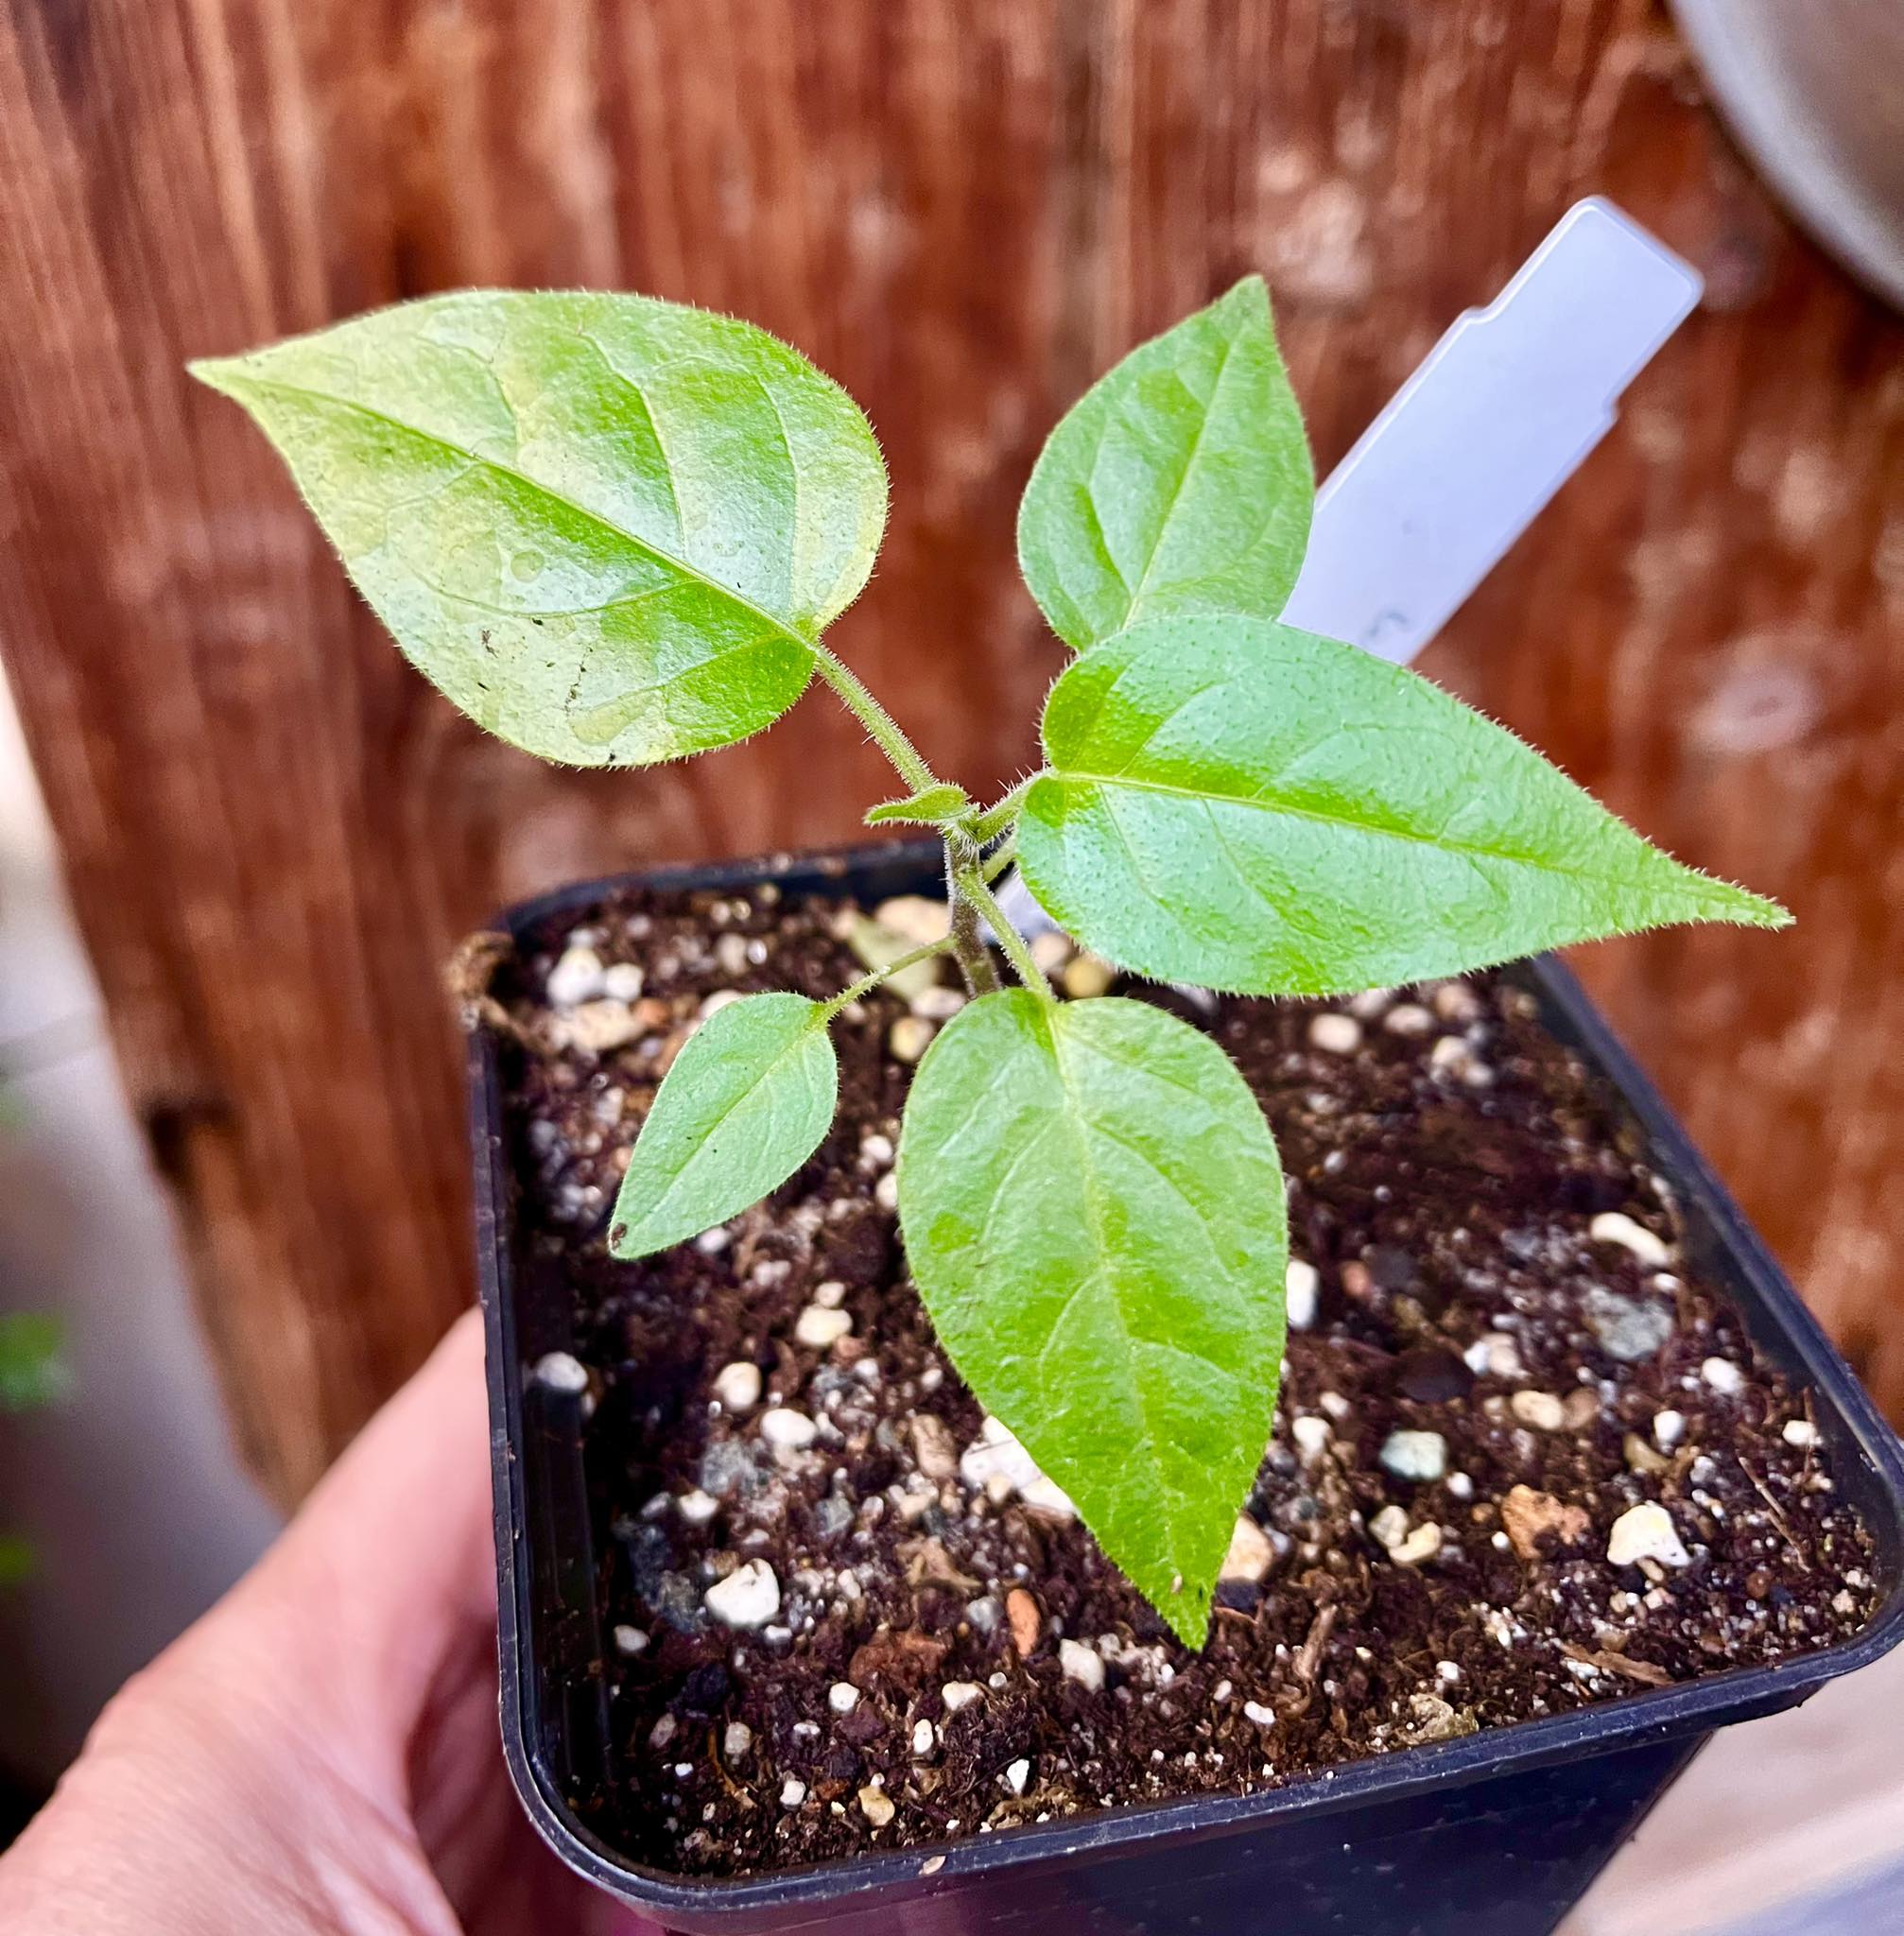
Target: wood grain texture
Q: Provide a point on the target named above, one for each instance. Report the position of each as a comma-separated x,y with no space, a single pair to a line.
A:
962,209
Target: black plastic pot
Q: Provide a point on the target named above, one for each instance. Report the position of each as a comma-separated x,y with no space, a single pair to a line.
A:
1495,1834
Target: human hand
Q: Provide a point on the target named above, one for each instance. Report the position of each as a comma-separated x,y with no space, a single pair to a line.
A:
320,1754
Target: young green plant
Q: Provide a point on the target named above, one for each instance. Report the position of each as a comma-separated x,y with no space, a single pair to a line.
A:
613,531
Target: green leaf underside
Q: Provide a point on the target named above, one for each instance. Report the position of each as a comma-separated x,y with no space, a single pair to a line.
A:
744,1105
1250,807
1093,1211
610,528
1180,482
927,808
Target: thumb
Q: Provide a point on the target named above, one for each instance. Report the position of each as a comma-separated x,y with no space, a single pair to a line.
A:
386,1572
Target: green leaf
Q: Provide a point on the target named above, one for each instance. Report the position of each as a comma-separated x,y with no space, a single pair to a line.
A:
18,1561
609,528
1180,482
1093,1211
745,1104
930,807
31,1370
1247,806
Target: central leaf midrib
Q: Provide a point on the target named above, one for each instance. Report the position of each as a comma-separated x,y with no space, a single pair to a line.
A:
1205,796
1074,1115
644,545
1190,457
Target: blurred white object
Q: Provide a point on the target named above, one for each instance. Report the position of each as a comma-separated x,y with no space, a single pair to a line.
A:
1815,91
1475,444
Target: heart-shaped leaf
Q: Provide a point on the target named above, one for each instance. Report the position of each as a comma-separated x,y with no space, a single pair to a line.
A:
1180,482
1093,1211
609,528
744,1105
1247,806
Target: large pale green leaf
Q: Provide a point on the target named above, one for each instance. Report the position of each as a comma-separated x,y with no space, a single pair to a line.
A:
1247,806
744,1105
609,527
1180,482
1093,1211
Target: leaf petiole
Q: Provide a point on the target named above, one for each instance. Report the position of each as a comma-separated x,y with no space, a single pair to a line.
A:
867,983
880,725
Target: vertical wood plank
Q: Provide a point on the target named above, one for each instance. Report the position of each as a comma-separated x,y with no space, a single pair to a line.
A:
963,209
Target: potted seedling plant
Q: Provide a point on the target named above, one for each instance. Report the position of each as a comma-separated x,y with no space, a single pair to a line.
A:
889,1313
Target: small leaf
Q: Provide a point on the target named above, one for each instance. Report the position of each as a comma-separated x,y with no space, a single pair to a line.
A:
927,808
1247,806
744,1105
31,1368
609,528
1093,1210
1180,482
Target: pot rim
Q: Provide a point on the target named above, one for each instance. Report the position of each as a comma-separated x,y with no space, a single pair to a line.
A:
1779,1322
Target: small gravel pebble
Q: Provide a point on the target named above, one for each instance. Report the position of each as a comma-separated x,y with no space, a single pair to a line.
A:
1615,1227
1629,1329
818,1327
1311,1435
737,1386
1669,1428
737,1740
629,1641
1646,1532
1541,1411
1723,1377
1082,1664
1799,1431
576,977
1018,1776
1418,1456
792,1791
749,1596
842,1697
562,1371
1085,976
1300,1285
876,1806
909,1038
787,1428
1335,1034
957,1694
1251,1554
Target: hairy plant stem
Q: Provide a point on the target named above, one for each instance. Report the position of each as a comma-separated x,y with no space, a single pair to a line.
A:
907,759
970,882
969,901
1001,856
867,983
967,937
1001,813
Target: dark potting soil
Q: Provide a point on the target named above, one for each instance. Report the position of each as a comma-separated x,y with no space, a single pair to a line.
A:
846,1612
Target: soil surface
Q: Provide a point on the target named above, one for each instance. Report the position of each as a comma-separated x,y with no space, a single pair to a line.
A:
844,1614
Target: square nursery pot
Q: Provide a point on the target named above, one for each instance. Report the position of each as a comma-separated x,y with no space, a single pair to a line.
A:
1493,1834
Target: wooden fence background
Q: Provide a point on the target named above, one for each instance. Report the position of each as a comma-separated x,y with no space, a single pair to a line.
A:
962,209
